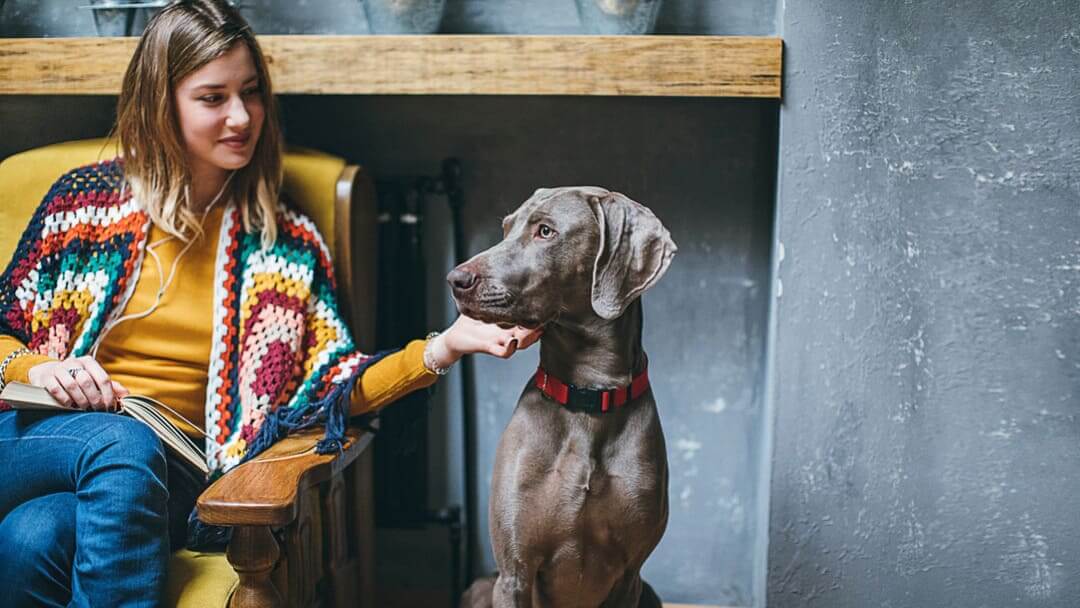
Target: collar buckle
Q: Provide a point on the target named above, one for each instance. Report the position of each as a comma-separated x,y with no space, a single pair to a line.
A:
583,399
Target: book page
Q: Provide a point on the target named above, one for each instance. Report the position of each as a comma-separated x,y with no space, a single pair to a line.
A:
145,410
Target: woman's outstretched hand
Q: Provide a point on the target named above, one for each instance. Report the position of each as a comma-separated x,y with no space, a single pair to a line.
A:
467,336
78,382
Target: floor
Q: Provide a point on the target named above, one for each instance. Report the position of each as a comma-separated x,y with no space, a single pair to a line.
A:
412,569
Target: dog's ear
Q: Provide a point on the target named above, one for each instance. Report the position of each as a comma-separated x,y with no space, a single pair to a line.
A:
635,251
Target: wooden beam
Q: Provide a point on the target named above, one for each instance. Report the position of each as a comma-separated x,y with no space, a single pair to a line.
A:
684,66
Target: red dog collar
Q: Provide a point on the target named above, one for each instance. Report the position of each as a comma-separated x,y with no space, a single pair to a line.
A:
591,400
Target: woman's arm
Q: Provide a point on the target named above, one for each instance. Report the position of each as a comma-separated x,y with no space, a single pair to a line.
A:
391,378
19,368
403,372
88,388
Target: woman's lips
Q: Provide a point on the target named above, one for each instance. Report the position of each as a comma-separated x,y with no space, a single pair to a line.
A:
237,142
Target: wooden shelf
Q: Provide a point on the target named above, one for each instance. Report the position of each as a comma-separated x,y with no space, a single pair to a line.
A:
681,66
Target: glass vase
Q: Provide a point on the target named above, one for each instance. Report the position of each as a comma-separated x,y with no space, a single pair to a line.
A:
618,16
404,16
111,19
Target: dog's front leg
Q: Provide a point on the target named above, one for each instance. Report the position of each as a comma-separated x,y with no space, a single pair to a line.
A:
514,588
632,592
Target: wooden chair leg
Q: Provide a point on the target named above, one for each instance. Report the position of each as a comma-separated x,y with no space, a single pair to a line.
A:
364,512
253,552
340,585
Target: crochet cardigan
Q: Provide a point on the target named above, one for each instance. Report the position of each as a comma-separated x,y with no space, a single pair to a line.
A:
281,357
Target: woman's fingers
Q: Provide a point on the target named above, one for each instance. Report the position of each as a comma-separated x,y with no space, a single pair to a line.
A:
502,351
519,338
64,378
508,341
81,382
528,337
119,390
473,336
78,382
89,388
53,386
100,379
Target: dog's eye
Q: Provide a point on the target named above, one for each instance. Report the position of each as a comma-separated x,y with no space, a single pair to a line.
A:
544,231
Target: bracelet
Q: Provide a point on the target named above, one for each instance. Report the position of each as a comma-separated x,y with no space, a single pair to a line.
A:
429,357
7,360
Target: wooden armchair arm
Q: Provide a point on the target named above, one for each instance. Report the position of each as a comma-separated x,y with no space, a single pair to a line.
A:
320,508
265,491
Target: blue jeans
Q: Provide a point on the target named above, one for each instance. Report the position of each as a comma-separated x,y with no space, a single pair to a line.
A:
82,511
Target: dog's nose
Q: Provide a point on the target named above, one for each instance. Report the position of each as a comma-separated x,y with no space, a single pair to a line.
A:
461,280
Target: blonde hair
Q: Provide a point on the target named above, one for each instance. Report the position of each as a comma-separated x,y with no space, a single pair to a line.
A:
180,39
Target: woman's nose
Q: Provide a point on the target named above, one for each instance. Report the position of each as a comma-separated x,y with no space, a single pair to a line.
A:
238,116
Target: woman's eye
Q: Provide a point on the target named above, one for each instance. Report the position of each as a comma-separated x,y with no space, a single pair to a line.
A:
210,98
545,231
251,91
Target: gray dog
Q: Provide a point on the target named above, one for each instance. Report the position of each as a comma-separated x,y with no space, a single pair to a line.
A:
579,491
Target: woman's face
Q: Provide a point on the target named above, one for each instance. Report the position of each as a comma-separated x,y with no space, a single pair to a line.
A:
220,110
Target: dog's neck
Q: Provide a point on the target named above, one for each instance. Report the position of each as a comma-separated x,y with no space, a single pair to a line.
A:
593,352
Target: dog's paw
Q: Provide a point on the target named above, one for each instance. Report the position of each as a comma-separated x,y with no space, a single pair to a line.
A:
479,594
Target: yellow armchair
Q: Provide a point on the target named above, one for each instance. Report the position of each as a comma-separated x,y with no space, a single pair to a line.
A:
319,506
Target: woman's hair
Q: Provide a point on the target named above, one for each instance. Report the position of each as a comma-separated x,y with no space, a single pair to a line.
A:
181,38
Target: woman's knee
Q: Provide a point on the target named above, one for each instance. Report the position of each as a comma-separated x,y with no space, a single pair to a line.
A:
128,441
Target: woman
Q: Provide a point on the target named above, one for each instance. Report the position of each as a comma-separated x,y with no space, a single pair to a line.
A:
177,273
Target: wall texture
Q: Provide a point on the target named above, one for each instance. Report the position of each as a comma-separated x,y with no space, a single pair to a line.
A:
927,370
745,17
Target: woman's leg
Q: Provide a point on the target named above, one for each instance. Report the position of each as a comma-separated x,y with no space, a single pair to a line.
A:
37,540
115,467
185,485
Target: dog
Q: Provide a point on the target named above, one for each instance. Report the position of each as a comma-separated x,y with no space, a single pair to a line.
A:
579,493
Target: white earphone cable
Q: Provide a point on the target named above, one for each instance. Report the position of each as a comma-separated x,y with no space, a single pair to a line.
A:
163,284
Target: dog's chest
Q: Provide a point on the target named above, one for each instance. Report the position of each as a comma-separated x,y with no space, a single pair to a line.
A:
600,509
598,486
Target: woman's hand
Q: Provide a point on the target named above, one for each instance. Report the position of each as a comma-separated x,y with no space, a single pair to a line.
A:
467,336
79,382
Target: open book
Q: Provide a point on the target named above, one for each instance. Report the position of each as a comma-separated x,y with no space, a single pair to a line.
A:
29,397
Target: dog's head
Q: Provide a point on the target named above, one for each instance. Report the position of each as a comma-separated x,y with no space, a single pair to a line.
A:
572,251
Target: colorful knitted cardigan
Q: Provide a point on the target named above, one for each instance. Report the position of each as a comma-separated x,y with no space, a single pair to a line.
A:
281,357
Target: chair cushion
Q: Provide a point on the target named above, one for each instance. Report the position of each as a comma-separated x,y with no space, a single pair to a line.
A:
199,580
310,181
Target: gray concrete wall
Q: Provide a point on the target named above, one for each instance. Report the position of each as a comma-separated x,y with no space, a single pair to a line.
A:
745,17
927,373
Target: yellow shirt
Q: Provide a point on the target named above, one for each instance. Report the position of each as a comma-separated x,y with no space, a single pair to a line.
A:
166,354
